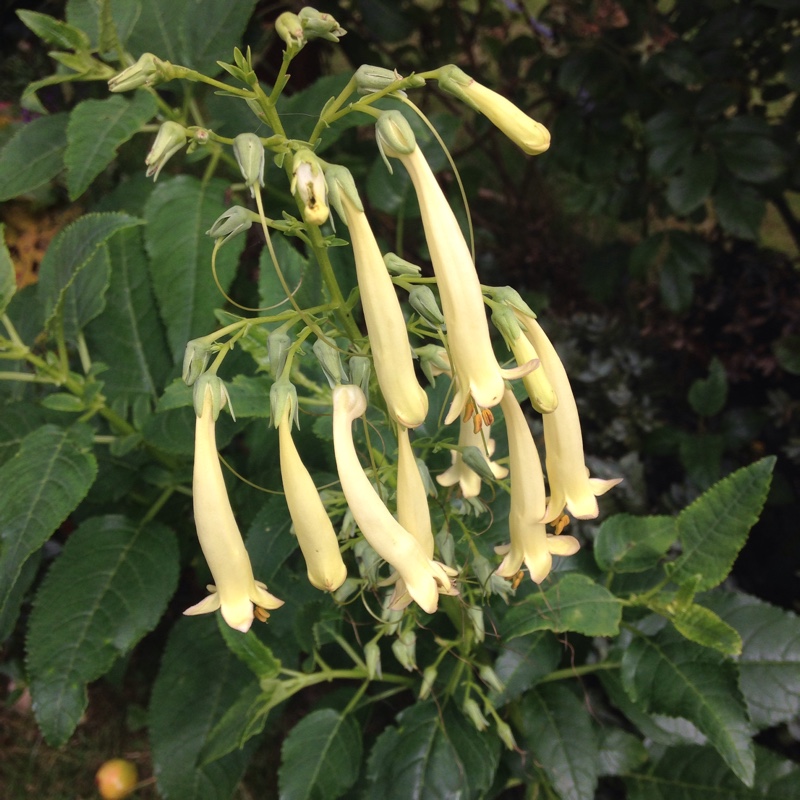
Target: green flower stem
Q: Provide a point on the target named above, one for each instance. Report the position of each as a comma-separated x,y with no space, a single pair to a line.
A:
324,118
576,672
158,505
184,73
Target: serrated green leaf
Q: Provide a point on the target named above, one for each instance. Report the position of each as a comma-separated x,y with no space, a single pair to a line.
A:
707,396
17,420
422,758
85,296
70,252
689,189
698,773
522,664
620,752
42,484
8,283
714,528
128,335
573,602
198,681
704,627
210,36
92,16
669,675
626,543
33,156
244,719
769,666
158,29
107,589
558,732
96,130
178,213
54,31
740,209
250,650
321,757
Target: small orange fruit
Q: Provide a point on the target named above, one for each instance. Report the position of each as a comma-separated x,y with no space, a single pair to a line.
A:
116,779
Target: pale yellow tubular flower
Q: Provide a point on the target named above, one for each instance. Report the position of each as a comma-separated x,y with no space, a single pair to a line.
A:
406,400
477,372
413,513
468,480
530,542
423,577
537,384
312,526
523,130
309,183
570,484
234,591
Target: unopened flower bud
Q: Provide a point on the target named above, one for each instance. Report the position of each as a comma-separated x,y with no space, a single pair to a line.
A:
232,222
428,679
473,712
340,183
145,72
249,153
506,735
399,266
491,679
372,658
446,546
348,588
524,131
330,362
360,372
475,615
504,320
394,136
433,360
195,360
309,183
475,459
483,569
278,344
282,394
404,648
371,79
219,394
289,27
170,138
509,296
317,25
423,301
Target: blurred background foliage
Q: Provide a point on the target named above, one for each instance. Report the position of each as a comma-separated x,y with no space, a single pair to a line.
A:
660,231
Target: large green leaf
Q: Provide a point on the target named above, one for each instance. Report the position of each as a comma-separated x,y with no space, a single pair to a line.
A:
92,16
707,396
620,752
433,755
211,36
33,155
689,189
740,208
179,212
251,651
700,625
321,757
96,129
769,666
698,773
42,484
666,674
128,335
559,733
573,602
714,528
70,252
55,32
108,588
17,420
198,681
522,664
297,271
158,29
8,284
85,298
626,543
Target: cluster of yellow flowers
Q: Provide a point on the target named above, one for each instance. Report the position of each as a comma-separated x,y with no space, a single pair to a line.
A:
404,539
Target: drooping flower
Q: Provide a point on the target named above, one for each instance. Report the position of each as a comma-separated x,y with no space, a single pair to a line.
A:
523,130
412,508
309,182
530,542
406,400
312,526
460,472
235,591
424,578
171,138
476,371
570,484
